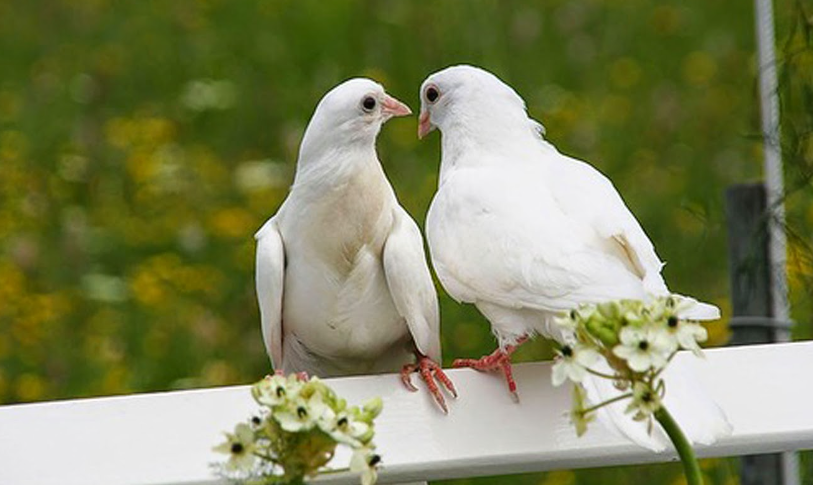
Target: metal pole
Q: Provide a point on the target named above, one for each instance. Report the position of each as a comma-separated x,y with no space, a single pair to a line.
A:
753,306
774,186
774,182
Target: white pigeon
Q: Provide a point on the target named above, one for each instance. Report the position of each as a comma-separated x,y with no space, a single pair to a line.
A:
522,231
342,279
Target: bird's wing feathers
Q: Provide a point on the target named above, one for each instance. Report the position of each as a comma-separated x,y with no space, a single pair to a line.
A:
586,194
270,278
411,284
504,240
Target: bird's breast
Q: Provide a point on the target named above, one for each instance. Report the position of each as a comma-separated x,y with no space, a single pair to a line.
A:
336,221
336,298
340,314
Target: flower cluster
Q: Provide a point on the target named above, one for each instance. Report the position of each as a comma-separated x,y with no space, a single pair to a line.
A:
296,433
636,340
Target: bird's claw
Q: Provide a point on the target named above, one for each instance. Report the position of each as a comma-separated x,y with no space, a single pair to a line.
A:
499,360
405,377
429,372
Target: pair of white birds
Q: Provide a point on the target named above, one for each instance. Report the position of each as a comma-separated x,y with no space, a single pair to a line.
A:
516,228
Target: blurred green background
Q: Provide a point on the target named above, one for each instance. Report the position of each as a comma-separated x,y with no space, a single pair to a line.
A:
143,143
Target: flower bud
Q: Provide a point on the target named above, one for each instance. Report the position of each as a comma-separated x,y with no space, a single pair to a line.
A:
606,330
373,407
367,436
609,310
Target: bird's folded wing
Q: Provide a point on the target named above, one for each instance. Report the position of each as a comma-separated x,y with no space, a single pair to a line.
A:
586,194
589,197
270,277
410,284
512,245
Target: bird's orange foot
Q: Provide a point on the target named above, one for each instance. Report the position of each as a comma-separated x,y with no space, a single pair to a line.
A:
499,360
429,370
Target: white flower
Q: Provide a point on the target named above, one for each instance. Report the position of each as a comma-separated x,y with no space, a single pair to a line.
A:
572,362
240,447
319,409
302,415
645,401
275,390
296,417
643,348
365,461
686,334
666,306
344,429
568,321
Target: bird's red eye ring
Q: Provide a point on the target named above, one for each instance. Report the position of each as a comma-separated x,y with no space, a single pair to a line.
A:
432,94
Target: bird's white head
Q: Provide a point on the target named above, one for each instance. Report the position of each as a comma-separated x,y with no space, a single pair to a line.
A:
349,116
468,100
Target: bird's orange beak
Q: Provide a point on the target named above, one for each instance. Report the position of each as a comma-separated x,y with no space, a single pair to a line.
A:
424,125
392,107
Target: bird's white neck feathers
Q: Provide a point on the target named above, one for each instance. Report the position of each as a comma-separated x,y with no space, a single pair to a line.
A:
323,141
497,137
331,151
480,117
325,163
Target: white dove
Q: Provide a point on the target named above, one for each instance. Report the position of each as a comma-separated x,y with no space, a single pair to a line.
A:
342,279
520,230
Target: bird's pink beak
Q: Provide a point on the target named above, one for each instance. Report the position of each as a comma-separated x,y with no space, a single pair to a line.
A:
424,125
392,107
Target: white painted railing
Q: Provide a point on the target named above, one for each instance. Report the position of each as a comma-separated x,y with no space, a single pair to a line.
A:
166,438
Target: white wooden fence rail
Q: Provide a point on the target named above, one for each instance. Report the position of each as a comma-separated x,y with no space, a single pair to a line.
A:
166,438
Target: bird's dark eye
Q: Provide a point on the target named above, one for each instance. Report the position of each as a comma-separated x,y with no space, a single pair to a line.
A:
432,94
368,104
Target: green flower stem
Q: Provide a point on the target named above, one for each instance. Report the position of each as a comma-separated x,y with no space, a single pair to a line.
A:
690,466
607,402
671,356
600,374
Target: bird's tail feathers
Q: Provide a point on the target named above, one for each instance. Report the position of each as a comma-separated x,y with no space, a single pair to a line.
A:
702,421
654,283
